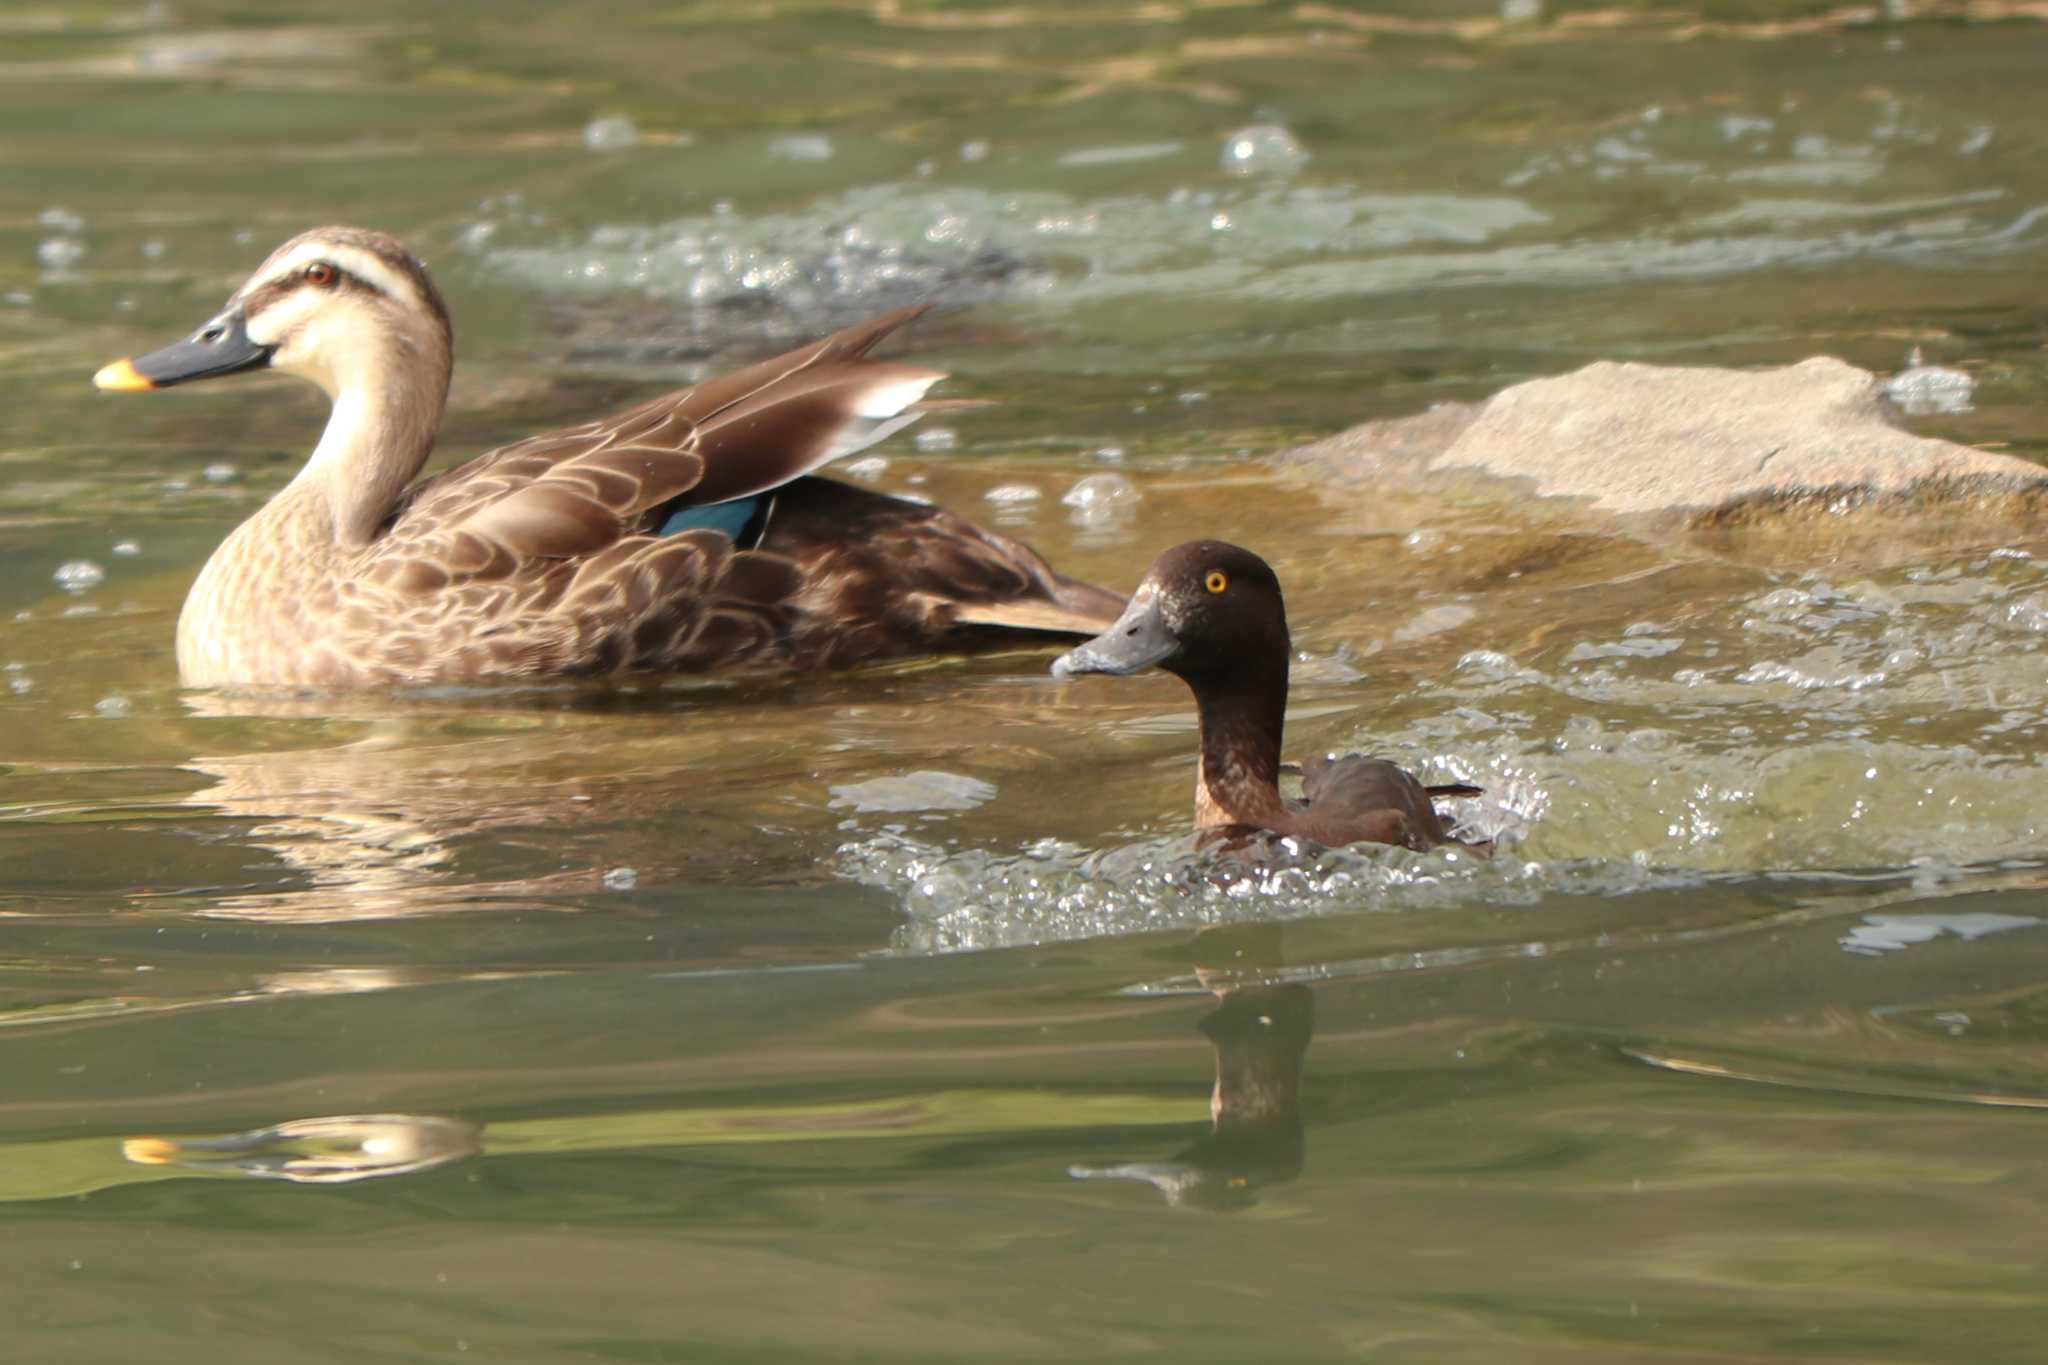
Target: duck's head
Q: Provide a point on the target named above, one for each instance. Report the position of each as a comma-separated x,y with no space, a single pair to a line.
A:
340,306
1207,610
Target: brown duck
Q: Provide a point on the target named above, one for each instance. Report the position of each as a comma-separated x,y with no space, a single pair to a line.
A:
687,534
1211,614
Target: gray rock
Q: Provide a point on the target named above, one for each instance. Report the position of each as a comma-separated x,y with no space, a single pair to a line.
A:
1629,438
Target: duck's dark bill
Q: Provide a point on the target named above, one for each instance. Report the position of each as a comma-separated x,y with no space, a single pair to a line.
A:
221,347
1139,639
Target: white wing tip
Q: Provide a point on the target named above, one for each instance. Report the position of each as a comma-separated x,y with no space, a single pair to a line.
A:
890,399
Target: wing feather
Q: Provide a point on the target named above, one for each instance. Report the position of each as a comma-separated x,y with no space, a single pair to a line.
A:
541,556
579,491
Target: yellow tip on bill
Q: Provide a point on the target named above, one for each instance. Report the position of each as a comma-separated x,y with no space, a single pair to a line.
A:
121,374
148,1151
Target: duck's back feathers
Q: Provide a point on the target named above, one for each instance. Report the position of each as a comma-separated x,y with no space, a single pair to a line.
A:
884,576
1355,799
574,491
575,551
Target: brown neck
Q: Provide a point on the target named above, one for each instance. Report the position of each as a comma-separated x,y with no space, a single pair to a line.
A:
1241,719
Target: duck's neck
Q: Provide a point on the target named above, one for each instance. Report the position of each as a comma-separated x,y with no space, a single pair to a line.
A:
1241,720
386,414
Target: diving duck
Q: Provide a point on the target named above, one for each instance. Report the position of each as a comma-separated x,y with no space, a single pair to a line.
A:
687,534
1211,614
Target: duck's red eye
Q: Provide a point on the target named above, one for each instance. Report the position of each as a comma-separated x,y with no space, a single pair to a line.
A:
321,273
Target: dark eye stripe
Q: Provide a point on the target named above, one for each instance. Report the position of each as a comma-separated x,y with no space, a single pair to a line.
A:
266,294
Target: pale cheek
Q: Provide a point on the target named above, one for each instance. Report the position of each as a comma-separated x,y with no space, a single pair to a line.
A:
309,353
296,357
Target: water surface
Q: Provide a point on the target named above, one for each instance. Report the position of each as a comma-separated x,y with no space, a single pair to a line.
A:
878,1015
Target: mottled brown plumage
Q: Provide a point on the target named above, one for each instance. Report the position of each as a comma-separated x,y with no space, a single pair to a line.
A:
1212,614
549,556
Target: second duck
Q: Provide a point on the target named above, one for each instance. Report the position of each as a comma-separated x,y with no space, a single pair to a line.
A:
1211,613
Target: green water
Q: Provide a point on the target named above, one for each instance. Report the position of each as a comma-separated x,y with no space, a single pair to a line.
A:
869,1017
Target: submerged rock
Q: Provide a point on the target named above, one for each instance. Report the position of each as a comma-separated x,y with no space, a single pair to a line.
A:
1631,438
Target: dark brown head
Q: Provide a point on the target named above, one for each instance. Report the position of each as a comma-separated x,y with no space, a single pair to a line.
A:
1208,611
339,306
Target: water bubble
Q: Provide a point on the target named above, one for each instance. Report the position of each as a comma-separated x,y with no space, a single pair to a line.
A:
76,575
1436,620
1521,11
1895,933
1263,149
937,438
114,707
1101,499
976,150
925,790
1614,149
802,147
1735,126
219,472
1051,890
1109,454
1113,156
2030,613
154,249
610,134
21,686
60,253
60,219
1634,648
868,467
621,879
1012,494
1921,390
127,547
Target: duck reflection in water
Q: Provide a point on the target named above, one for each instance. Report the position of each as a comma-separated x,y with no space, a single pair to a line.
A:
421,805
1260,1031
322,1151
370,828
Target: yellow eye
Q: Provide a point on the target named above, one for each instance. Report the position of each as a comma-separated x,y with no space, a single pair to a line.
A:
1217,580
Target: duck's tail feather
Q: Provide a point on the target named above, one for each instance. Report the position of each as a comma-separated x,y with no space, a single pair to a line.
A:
1455,789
